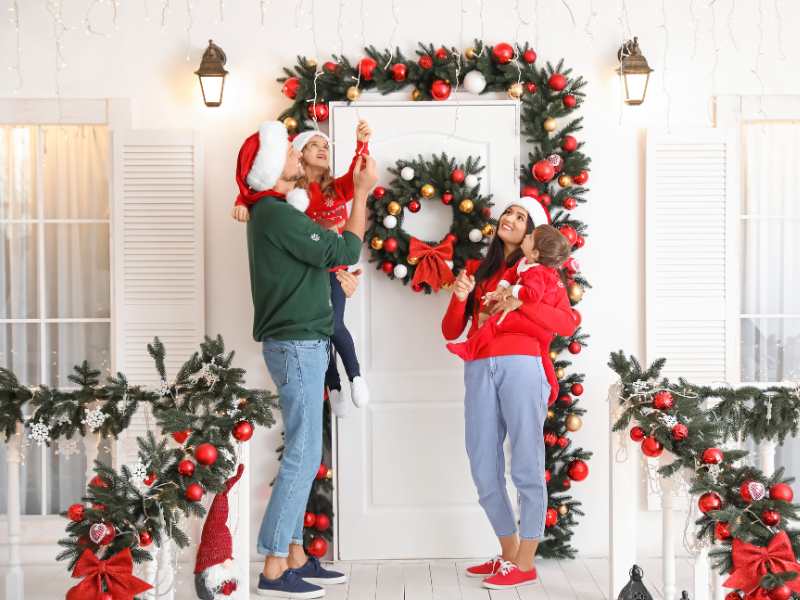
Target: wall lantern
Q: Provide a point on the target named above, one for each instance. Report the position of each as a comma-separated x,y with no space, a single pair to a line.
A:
634,72
212,74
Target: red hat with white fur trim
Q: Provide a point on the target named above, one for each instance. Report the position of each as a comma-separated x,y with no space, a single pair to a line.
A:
536,211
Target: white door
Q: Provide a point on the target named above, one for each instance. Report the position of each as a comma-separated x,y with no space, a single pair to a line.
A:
403,483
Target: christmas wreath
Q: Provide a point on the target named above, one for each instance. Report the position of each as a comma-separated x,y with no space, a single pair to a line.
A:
429,265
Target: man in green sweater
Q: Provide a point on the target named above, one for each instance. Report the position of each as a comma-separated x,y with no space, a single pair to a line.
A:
289,258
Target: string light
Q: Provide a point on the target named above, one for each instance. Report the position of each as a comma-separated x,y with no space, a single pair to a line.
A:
54,7
189,25
520,21
164,10
592,16
695,27
731,12
13,17
664,86
759,51
263,7
779,18
221,11
394,31
569,10
146,11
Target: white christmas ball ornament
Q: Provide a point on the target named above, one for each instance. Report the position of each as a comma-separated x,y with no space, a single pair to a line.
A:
474,82
400,271
390,221
407,173
471,180
475,235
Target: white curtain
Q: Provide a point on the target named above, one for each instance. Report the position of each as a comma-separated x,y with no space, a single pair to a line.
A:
55,265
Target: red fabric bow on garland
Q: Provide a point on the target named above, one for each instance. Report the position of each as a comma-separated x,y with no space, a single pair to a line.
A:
117,572
751,563
431,268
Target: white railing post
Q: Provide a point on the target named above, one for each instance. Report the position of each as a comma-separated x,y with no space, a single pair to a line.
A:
15,585
667,486
164,573
766,456
239,522
702,572
91,446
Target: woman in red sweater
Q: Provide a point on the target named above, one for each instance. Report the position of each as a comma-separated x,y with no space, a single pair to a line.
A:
506,393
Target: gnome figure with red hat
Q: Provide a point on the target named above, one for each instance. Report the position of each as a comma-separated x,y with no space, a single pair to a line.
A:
214,572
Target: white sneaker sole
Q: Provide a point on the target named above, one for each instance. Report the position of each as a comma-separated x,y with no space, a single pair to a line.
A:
326,580
295,595
494,586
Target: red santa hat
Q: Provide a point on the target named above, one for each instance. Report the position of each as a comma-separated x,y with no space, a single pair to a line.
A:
536,211
216,543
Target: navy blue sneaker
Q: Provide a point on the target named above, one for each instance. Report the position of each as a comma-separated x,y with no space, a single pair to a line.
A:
313,572
288,585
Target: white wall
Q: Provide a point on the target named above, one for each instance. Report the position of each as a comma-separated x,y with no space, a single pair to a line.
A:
148,64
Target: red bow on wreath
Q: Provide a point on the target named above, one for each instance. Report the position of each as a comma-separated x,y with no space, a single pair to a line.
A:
116,572
751,563
431,268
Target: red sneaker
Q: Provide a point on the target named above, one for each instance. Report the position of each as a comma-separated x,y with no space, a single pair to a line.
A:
486,569
509,576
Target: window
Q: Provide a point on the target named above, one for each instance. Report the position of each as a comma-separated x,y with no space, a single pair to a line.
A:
55,298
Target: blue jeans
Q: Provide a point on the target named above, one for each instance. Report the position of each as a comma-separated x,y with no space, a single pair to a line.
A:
342,341
507,395
297,368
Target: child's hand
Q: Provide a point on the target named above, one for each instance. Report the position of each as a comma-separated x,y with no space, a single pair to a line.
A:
240,213
363,132
499,295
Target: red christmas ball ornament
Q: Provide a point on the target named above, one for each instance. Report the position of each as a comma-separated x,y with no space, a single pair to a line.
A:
205,454
529,191
447,198
712,456
366,67
565,399
503,53
98,482
578,470
243,431
577,388
569,144
379,192
390,244
194,492
551,517
440,89
543,171
75,512
771,517
531,87
318,111
752,491
387,267
652,447
570,204
545,200
563,442
309,519
186,468
569,232
145,539
708,502
458,176
580,242
322,472
733,596
442,54
557,82
570,101
318,547
576,316
680,432
721,531
451,238
425,61
290,86
550,439
414,206
323,522
529,56
781,491
547,476
417,287
637,433
581,177
486,212
663,400
399,72
150,479
330,67
574,347
781,592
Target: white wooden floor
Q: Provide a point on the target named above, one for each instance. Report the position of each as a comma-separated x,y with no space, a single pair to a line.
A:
580,579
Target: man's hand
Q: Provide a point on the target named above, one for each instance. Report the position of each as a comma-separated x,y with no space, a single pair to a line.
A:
363,132
365,175
240,213
349,281
463,285
505,306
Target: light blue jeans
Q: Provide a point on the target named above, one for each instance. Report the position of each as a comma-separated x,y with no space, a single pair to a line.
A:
507,395
298,370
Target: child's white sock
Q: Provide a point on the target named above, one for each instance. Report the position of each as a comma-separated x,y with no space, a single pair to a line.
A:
359,391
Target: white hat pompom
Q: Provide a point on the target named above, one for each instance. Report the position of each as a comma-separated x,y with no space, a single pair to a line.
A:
298,198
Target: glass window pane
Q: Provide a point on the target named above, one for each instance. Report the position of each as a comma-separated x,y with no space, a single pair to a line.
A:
771,349
20,351
78,281
771,178
17,172
66,473
69,344
75,172
770,267
19,282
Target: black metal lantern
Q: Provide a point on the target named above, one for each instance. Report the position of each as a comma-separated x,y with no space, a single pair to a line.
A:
635,590
634,72
212,74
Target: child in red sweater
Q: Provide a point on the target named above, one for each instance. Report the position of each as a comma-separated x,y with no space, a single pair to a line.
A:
325,202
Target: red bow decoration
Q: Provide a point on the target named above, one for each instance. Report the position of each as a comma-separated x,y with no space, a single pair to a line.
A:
431,268
116,572
751,563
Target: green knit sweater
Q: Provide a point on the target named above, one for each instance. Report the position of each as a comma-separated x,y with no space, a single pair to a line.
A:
289,279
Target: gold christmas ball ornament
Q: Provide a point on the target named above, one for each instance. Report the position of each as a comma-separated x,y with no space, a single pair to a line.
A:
563,509
311,63
412,260
575,292
550,124
470,53
353,93
553,355
561,373
427,191
416,95
290,123
551,415
564,181
573,423
376,243
466,206
515,90
393,208
488,230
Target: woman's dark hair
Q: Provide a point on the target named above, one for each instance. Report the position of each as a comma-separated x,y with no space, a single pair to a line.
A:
495,260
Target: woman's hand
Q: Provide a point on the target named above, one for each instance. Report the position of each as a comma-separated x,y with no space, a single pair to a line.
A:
363,132
364,179
349,281
463,285
240,213
505,306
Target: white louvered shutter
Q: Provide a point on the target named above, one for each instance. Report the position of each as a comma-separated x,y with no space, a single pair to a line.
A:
692,201
158,257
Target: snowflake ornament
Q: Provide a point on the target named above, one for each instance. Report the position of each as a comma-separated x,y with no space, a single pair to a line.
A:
669,421
67,448
226,454
63,420
714,472
640,386
40,433
164,388
138,473
94,419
